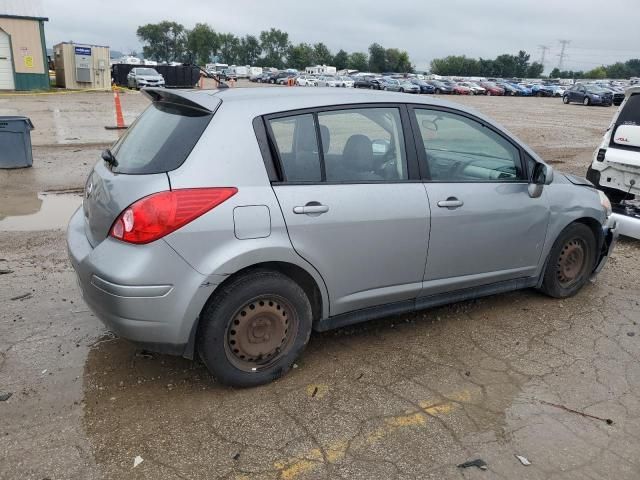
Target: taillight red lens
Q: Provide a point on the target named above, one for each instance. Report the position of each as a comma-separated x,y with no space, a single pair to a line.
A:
157,215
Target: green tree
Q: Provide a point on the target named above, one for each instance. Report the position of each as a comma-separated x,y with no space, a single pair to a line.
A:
321,54
202,42
634,67
249,50
300,56
377,58
398,61
555,73
455,65
597,73
274,44
229,48
618,70
341,60
534,70
521,64
358,61
164,41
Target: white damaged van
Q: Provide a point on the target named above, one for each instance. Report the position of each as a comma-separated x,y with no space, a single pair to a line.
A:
615,168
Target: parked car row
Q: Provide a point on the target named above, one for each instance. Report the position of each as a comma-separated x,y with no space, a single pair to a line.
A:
594,93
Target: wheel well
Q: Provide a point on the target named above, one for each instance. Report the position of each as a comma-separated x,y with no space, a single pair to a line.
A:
295,273
596,229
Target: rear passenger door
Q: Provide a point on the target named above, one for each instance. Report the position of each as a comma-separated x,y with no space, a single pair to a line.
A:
485,228
352,200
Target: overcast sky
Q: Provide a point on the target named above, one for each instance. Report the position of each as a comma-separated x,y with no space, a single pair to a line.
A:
600,31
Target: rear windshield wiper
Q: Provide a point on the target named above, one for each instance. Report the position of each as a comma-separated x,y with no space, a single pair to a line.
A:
109,157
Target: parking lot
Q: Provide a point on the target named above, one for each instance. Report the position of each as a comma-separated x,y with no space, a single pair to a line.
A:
555,381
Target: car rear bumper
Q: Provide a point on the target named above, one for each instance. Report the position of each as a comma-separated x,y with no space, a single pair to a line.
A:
144,293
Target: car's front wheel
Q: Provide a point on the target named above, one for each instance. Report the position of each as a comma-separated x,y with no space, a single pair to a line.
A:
253,330
565,99
571,261
586,102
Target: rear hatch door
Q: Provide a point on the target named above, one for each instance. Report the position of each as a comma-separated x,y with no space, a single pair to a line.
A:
159,141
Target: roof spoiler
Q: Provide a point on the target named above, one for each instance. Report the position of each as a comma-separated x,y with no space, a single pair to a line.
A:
164,95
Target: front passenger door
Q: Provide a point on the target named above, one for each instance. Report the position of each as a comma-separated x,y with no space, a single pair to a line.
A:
485,228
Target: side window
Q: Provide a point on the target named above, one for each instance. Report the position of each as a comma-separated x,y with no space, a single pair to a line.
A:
459,149
364,144
297,146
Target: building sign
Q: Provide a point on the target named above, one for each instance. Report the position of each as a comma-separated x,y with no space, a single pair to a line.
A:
83,51
28,61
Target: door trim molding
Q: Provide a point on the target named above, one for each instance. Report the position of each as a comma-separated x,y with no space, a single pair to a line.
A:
421,303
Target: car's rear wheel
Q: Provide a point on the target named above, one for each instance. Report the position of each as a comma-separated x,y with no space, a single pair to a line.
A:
571,261
565,100
586,102
253,330
488,93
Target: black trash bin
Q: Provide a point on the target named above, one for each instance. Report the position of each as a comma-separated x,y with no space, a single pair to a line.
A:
15,142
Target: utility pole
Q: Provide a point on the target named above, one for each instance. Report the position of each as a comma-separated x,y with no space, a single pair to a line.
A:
562,54
544,49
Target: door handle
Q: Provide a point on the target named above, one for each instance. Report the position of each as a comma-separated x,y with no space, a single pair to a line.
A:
311,209
451,203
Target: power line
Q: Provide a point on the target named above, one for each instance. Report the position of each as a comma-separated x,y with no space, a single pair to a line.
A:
562,55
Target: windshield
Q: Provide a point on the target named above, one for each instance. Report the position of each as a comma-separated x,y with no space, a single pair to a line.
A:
146,71
160,140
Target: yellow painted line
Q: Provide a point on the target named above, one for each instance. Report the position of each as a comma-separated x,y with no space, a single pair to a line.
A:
293,468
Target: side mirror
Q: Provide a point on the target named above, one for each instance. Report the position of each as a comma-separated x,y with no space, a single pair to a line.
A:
542,175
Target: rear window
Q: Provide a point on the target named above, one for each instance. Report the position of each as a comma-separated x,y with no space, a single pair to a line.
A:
161,139
630,114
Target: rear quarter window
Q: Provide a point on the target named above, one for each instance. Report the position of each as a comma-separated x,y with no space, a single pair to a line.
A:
161,139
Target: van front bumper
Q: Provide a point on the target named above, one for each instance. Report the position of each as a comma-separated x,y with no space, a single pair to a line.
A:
145,293
628,225
609,239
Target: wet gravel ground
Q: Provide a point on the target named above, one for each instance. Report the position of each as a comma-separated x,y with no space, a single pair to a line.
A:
557,382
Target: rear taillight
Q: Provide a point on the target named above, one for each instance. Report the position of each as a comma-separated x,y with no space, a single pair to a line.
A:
157,215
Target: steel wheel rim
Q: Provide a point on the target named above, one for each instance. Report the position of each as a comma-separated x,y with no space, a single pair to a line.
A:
260,333
571,262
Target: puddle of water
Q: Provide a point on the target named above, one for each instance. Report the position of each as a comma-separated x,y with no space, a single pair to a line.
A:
52,211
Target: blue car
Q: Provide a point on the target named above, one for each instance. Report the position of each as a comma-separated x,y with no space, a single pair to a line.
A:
424,86
541,90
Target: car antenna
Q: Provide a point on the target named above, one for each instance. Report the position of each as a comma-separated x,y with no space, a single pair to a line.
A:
216,77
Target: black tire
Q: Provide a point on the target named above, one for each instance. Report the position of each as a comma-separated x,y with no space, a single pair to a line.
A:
565,100
586,101
401,90
262,310
571,261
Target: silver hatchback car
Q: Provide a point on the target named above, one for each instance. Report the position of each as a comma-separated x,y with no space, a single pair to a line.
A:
231,223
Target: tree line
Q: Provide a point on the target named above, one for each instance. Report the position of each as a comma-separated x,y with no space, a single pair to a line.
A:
518,66
503,66
171,42
628,69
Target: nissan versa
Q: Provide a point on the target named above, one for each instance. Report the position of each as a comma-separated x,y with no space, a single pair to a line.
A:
230,223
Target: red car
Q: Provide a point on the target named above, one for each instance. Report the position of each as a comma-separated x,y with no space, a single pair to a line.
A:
458,89
491,88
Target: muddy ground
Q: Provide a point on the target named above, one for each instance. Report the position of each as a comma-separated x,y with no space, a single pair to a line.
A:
557,382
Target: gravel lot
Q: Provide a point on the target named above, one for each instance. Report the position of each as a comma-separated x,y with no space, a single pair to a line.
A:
557,382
